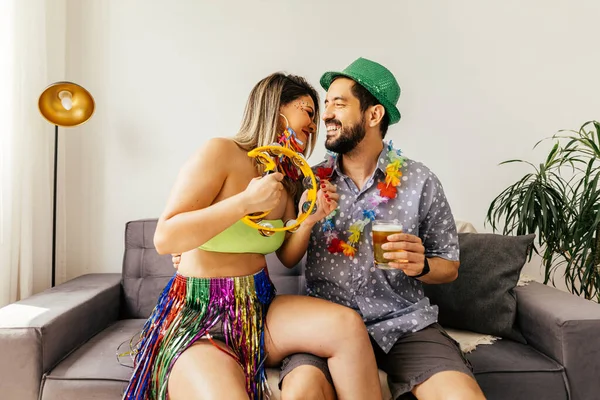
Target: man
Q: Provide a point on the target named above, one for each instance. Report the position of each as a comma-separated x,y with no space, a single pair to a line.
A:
374,181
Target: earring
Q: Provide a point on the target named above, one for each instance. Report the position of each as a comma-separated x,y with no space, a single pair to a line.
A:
287,123
288,137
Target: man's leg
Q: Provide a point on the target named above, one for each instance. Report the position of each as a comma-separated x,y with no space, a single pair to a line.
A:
449,385
430,364
304,376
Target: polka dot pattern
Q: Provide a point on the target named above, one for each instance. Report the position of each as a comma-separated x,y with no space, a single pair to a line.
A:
391,303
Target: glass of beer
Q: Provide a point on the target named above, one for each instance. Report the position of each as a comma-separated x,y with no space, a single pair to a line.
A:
381,229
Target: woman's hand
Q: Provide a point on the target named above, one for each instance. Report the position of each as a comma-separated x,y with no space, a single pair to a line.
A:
264,193
327,201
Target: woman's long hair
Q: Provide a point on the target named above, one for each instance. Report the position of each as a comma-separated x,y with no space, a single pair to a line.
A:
261,124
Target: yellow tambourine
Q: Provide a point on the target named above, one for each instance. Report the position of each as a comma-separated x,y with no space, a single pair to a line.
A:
265,155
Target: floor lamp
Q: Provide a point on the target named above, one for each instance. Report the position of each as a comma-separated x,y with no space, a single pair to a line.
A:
64,104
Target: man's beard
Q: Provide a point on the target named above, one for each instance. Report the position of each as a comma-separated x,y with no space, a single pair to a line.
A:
348,138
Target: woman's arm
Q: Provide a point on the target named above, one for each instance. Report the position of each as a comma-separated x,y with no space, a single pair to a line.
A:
295,244
190,219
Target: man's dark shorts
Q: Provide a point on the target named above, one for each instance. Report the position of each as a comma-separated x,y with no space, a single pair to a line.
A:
413,359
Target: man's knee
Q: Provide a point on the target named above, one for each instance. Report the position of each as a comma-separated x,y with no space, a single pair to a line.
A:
306,382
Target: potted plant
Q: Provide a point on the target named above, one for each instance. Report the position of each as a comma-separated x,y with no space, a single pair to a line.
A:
559,201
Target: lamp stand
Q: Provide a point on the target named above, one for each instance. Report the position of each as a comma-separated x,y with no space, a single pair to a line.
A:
65,104
54,208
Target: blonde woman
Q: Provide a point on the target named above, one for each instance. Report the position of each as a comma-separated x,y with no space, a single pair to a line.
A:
218,322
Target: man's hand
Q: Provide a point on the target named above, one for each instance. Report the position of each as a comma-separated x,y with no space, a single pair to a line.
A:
176,258
405,252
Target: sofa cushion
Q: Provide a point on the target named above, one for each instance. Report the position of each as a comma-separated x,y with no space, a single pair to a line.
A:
145,272
511,370
482,298
93,368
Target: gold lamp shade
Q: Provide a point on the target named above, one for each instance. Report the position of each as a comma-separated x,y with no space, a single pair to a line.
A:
66,104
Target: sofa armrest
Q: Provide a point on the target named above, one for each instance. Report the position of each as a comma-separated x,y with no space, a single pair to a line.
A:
564,327
37,332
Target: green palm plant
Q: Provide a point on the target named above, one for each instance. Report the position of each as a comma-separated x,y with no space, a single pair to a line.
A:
559,201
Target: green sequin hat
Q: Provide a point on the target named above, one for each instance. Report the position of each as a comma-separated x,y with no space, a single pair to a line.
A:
374,77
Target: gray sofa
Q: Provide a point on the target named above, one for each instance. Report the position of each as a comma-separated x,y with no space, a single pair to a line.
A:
61,344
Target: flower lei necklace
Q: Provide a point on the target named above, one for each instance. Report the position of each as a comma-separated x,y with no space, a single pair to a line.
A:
387,190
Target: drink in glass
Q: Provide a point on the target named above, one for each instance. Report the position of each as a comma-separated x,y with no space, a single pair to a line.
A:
381,229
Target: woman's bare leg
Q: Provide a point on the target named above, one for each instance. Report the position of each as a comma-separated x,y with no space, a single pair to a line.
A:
205,372
302,324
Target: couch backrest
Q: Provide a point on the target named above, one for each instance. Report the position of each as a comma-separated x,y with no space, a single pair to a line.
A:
146,273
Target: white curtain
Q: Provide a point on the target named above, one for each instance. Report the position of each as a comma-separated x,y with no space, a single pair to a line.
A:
32,43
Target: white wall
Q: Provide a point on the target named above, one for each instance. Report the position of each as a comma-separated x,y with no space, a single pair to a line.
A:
481,82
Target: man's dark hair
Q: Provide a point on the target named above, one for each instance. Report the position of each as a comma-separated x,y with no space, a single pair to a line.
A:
366,100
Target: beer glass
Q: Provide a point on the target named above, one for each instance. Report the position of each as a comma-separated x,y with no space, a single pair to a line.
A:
380,230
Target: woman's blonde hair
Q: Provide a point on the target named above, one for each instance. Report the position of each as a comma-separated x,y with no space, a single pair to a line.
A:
261,123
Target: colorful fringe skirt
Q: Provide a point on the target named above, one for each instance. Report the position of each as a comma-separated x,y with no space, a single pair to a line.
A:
192,308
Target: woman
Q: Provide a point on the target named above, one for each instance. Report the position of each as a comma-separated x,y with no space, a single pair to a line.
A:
218,322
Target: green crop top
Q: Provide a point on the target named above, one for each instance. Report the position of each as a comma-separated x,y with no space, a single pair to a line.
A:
241,238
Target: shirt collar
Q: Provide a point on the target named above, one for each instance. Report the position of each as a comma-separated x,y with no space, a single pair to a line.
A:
382,161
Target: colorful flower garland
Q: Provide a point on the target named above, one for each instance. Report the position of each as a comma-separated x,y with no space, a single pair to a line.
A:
387,190
290,140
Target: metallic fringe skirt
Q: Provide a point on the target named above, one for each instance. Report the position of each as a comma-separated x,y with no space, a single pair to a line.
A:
186,311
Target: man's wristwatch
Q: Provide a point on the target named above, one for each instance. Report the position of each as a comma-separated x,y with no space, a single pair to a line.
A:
425,269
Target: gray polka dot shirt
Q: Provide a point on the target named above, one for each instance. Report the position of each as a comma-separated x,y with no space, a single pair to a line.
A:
390,303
